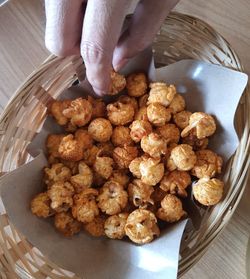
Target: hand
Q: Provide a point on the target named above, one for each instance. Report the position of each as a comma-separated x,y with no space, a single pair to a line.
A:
93,28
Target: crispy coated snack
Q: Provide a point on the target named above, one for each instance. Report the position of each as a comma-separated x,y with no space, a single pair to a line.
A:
140,193
99,107
197,144
208,164
141,226
171,209
121,136
154,145
134,167
83,179
79,112
90,154
66,224
158,195
169,132
175,182
124,155
152,171
57,172
104,166
139,129
100,129
114,226
161,93
178,104
113,198
121,177
84,138
70,149
73,166
141,114
208,191
143,100
118,83
52,144
137,84
181,119
129,100
182,157
85,208
202,124
95,227
120,113
158,115
60,194
40,205
56,110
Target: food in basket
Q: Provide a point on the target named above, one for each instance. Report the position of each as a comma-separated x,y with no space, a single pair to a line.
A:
122,168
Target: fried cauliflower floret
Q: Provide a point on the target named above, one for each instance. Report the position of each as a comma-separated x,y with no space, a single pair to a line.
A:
60,194
120,177
70,149
154,145
161,93
129,100
158,115
178,104
169,132
152,171
118,83
182,157
66,224
208,164
208,191
121,136
137,84
141,114
181,119
99,107
139,129
104,166
141,226
114,226
140,193
120,113
134,166
197,144
113,198
90,154
85,208
100,129
56,110
202,124
40,205
73,166
171,209
83,179
124,155
175,182
95,227
57,172
143,100
84,138
52,144
79,112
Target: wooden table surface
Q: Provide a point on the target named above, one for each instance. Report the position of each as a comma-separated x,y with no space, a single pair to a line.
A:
22,50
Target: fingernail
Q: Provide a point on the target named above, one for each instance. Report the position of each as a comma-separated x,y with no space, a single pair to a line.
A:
120,64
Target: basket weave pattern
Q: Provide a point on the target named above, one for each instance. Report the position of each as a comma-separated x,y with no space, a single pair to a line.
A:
180,37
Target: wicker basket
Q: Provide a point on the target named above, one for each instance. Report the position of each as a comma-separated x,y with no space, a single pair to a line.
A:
181,37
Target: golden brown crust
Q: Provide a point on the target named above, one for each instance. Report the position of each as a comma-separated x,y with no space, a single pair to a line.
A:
178,104
124,155
100,129
137,84
169,132
120,113
158,115
161,93
139,129
40,205
121,136
154,145
57,172
70,149
114,226
95,227
56,110
181,119
84,138
121,177
66,224
104,166
118,83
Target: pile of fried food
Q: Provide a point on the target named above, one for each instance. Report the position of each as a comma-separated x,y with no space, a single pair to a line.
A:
123,168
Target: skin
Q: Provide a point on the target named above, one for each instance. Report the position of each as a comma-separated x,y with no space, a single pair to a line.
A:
92,29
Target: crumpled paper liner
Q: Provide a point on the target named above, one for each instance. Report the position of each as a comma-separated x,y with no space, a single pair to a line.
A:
206,87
